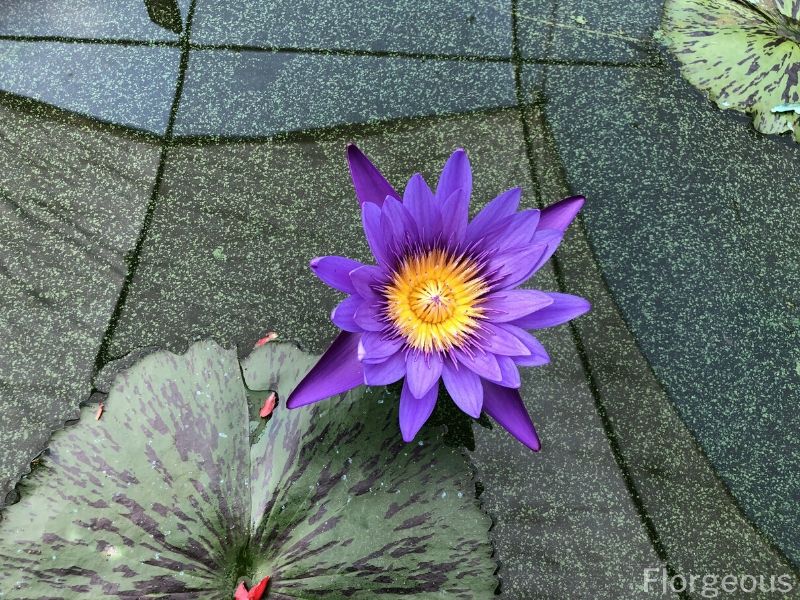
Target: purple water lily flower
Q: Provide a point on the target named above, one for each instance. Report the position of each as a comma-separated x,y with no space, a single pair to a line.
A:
441,303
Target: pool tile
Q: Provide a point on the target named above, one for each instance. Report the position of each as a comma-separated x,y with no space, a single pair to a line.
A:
259,94
601,30
143,20
689,218
462,28
132,86
72,200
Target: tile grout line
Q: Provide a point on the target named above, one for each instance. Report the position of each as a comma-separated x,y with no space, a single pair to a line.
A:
311,51
88,41
516,56
134,255
608,427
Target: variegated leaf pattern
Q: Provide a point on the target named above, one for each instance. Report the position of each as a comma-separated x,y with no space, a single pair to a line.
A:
343,508
745,54
180,491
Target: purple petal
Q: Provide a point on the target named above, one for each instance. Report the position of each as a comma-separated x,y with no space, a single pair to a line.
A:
498,340
515,265
565,307
456,175
560,215
386,372
455,214
398,225
464,388
551,238
422,371
517,230
538,355
375,348
368,182
481,363
418,199
371,218
503,206
505,406
368,316
337,371
415,411
509,372
365,279
335,271
343,316
509,305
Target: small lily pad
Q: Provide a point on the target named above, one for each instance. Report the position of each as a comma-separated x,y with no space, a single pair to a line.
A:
745,54
181,490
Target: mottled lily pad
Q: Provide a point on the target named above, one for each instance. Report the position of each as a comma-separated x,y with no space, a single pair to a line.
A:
181,490
745,54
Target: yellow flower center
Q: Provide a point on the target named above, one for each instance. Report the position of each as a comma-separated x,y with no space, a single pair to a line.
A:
434,300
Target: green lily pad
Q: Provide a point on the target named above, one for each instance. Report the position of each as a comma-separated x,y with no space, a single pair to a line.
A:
180,489
745,54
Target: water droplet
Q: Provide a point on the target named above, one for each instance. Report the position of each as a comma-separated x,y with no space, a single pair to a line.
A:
222,434
444,494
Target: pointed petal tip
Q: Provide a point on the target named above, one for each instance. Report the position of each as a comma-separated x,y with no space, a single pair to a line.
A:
560,214
337,371
564,308
535,445
505,406
576,202
370,185
414,412
418,177
529,439
408,436
296,401
353,149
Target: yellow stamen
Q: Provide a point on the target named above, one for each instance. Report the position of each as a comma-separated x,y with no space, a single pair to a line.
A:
434,300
